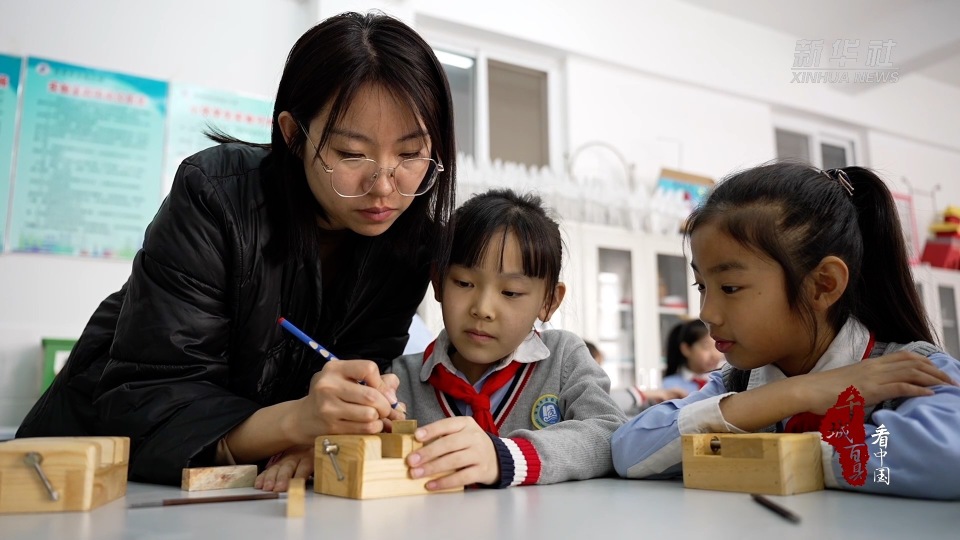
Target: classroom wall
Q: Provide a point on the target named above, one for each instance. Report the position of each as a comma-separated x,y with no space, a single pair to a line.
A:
646,74
932,170
658,122
683,42
652,78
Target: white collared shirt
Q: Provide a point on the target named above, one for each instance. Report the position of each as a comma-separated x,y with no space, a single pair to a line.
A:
532,349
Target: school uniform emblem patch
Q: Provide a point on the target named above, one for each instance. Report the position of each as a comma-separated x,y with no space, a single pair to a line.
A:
546,411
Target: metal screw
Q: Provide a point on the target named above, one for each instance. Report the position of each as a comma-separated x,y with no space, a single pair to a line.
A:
34,459
332,450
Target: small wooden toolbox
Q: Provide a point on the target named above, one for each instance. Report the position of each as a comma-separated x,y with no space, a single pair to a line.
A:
83,473
768,463
368,466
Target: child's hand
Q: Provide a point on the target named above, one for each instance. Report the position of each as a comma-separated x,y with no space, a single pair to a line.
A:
900,374
297,462
459,450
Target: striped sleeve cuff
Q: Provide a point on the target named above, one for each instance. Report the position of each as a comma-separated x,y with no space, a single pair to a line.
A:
519,462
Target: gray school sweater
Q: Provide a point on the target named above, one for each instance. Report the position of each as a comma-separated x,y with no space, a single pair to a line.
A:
555,422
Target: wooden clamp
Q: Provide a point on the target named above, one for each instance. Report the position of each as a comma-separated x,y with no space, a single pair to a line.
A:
368,466
769,463
62,474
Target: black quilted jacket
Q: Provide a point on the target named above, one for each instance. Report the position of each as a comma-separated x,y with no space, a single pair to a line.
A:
190,347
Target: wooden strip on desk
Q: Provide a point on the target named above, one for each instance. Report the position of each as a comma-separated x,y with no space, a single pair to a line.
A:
208,478
295,497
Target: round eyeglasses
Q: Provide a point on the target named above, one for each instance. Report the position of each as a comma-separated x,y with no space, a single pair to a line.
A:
355,177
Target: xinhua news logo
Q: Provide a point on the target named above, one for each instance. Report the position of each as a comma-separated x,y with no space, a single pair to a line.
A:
844,61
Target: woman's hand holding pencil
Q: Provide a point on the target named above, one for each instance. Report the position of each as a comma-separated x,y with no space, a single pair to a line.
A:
322,351
336,404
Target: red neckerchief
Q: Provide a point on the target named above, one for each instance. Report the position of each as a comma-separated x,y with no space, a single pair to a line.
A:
807,421
457,388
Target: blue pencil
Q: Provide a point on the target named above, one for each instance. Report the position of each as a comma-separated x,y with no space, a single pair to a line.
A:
306,339
314,345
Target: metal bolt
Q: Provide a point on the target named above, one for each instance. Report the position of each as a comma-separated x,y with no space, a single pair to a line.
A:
34,459
332,450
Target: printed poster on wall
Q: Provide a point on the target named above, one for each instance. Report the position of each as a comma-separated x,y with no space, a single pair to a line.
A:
195,110
89,160
9,83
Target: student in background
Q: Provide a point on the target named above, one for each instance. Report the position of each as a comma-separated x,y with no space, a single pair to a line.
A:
631,399
500,403
806,288
691,355
334,225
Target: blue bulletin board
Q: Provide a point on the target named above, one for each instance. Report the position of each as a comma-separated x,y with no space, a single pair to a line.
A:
90,152
9,86
86,155
195,109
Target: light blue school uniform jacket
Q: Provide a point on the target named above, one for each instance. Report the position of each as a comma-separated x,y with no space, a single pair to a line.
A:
923,445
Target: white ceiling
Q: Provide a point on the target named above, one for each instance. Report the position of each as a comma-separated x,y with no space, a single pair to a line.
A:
926,32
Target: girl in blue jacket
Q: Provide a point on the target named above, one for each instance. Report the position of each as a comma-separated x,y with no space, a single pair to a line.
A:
805,286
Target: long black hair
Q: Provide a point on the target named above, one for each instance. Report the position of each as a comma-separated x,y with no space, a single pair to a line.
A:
326,67
499,212
796,215
688,332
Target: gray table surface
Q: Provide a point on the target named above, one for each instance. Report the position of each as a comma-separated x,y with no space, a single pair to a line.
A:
593,509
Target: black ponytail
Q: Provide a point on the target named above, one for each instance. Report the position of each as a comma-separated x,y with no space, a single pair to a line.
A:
885,298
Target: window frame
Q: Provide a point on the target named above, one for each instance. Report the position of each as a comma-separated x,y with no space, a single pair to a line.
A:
820,132
483,47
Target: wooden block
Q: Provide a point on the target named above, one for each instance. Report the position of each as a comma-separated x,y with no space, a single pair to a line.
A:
295,497
368,472
769,463
86,472
404,426
208,478
396,445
